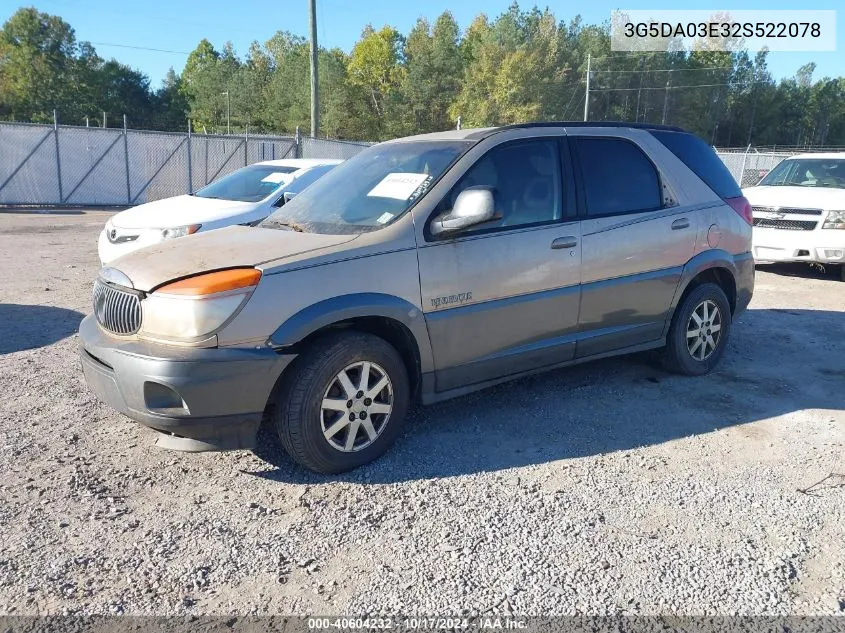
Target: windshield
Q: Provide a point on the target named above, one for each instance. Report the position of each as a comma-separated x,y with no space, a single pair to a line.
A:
249,184
807,172
307,178
371,189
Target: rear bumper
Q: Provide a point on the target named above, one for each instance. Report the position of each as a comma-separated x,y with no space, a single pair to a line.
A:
198,399
744,281
825,246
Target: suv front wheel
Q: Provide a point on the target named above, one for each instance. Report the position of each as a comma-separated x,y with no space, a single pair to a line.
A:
699,332
344,404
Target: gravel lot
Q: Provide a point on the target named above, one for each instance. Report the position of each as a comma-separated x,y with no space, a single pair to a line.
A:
608,488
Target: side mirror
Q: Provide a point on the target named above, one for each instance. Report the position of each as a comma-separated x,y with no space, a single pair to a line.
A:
287,196
474,205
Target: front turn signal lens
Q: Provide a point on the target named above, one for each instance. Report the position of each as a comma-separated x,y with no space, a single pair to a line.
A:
212,283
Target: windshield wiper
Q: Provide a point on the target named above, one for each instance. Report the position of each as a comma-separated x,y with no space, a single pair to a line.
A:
293,226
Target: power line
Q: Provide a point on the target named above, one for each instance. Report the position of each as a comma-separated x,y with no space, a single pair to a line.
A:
571,99
580,100
141,48
666,70
741,85
566,85
622,54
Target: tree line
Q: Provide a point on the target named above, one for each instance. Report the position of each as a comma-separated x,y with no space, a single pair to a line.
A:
523,65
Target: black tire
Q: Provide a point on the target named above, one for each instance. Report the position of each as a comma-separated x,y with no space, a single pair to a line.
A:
677,355
296,412
842,272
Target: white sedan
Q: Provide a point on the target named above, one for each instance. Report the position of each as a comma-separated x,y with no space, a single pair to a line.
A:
799,211
245,196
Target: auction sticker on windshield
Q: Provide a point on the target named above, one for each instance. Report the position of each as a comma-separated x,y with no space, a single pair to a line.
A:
398,185
277,177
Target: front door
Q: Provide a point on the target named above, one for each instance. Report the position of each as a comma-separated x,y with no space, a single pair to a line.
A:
502,298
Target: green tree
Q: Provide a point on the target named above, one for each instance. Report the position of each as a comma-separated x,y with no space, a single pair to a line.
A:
38,66
434,71
171,103
376,66
201,86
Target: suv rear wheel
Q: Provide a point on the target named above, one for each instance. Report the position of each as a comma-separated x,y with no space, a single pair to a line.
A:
344,404
699,331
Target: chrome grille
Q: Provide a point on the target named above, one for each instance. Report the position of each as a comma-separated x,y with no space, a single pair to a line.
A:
788,225
787,210
117,309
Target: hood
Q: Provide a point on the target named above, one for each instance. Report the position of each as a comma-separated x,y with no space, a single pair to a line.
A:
231,247
826,198
179,211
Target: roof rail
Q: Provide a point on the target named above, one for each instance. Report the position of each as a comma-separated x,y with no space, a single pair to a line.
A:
611,124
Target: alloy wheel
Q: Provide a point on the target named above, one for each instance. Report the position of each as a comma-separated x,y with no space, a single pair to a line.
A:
356,406
704,330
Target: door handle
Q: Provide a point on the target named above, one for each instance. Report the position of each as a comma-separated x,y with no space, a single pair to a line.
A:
680,223
564,242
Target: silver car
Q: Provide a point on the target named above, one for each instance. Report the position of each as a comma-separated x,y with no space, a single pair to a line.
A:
422,269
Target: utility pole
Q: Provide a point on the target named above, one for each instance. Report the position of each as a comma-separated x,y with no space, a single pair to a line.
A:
228,112
587,93
315,97
640,91
666,99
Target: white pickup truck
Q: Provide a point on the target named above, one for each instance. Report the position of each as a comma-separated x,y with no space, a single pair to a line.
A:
799,211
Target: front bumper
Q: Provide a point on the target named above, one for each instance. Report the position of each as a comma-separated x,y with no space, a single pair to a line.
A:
197,399
826,246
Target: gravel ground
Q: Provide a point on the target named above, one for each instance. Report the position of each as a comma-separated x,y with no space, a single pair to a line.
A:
608,488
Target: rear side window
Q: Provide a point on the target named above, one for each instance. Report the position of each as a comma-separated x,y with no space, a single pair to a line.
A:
702,160
618,178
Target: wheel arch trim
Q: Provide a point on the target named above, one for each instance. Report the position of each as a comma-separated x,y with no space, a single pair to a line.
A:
359,305
707,260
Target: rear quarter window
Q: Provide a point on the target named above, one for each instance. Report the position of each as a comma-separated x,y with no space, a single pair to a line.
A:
701,159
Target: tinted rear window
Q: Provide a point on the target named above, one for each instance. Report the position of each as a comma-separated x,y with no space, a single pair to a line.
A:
701,159
618,177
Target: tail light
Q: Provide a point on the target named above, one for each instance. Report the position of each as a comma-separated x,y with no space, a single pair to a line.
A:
742,208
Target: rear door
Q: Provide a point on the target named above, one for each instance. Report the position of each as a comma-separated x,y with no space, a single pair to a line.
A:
636,239
502,298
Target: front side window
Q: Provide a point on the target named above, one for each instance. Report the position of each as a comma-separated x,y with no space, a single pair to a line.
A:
249,184
618,178
525,177
807,172
369,190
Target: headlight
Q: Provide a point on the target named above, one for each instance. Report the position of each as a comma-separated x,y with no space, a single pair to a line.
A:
835,220
180,231
197,306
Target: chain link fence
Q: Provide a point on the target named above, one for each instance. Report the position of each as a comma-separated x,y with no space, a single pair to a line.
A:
748,165
61,165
